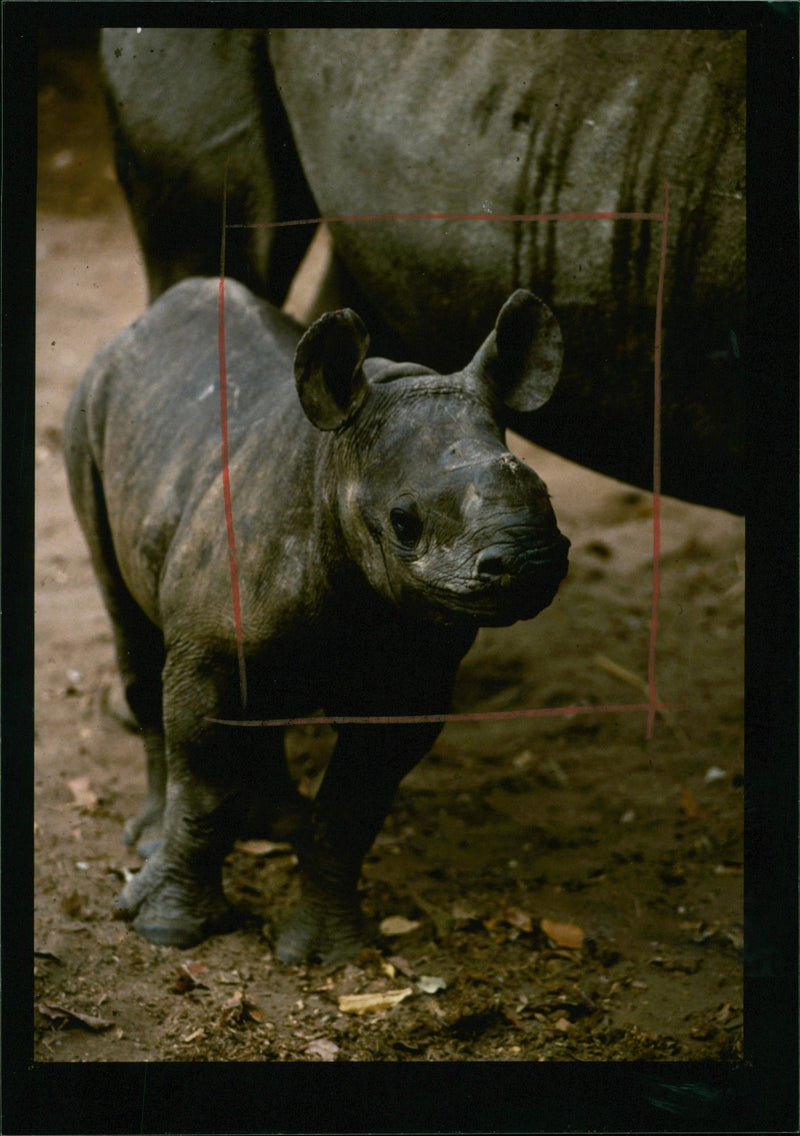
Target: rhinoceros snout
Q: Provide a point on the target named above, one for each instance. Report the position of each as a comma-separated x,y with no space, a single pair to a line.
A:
519,582
504,563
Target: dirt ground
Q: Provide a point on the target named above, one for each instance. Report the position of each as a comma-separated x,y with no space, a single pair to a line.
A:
558,888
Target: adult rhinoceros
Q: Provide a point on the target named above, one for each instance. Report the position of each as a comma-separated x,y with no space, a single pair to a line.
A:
496,123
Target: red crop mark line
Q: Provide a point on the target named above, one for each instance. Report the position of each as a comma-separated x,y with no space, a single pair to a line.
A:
652,706
478,716
226,477
454,217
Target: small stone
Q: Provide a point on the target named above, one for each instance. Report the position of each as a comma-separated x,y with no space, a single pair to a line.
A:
429,984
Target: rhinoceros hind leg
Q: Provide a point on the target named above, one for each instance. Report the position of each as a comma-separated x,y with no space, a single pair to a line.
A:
116,706
144,830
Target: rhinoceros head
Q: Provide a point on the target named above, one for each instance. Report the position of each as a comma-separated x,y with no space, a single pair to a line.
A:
441,517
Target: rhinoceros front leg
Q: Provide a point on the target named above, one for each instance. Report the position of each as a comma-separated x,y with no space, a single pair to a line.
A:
353,801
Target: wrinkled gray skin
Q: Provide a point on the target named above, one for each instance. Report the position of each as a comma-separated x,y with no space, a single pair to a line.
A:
480,121
379,521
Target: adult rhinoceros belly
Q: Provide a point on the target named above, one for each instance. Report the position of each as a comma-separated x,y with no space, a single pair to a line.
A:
511,122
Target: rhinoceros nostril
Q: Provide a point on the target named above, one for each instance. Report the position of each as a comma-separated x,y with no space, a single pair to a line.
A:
491,563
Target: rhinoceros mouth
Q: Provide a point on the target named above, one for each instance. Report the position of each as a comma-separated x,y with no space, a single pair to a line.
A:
518,589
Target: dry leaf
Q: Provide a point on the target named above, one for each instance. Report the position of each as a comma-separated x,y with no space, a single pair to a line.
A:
236,1009
369,957
460,913
399,963
370,1003
397,925
563,934
516,918
240,1009
689,805
66,1019
74,905
186,976
45,955
83,796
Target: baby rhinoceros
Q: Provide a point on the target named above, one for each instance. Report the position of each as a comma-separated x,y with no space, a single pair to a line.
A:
379,521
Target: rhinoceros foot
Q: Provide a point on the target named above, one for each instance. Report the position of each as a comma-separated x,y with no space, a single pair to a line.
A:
173,912
324,928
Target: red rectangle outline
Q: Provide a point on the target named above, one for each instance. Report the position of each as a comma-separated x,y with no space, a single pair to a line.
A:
652,706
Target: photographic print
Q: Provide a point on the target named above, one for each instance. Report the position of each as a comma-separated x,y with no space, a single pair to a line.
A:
389,566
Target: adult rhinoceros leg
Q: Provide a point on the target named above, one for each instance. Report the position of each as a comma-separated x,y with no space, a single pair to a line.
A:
196,118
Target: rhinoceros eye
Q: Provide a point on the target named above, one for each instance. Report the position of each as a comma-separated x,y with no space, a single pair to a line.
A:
406,524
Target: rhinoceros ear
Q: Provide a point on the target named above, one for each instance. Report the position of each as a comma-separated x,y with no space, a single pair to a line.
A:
327,368
522,357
